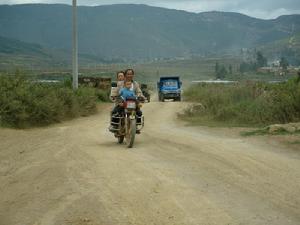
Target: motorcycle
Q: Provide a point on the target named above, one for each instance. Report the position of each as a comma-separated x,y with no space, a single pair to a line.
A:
128,123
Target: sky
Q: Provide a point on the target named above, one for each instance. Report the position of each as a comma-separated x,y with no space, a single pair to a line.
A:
264,9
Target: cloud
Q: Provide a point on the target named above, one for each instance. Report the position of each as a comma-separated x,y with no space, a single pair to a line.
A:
257,8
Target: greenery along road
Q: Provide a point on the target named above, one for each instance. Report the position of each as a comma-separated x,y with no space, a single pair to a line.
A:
245,103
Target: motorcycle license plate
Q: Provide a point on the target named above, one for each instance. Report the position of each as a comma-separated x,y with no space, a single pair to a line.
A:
131,105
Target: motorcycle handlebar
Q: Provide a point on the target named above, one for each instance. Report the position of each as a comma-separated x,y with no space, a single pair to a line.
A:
141,99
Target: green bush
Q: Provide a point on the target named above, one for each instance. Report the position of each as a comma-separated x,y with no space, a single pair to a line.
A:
86,98
24,103
251,103
103,95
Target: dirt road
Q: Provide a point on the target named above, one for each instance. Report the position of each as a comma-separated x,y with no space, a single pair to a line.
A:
75,173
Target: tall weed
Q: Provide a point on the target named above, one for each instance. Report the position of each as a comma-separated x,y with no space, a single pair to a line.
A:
252,103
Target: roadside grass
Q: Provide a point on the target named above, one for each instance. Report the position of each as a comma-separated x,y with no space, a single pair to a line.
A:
209,121
265,131
295,143
245,104
24,103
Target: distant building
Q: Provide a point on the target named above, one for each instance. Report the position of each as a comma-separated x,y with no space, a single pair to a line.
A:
265,70
275,63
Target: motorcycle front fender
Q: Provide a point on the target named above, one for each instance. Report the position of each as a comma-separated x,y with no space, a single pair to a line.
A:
132,117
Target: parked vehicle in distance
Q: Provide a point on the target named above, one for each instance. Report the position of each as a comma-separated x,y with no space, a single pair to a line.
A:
145,90
169,88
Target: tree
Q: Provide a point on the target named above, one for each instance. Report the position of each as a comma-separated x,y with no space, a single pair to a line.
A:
284,63
246,67
230,69
260,60
217,67
221,73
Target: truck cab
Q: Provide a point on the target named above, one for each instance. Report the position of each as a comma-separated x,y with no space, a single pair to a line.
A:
169,88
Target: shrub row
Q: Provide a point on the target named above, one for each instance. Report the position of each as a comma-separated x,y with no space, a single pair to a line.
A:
24,103
250,103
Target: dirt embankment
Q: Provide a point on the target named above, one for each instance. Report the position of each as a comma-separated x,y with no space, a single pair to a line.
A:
76,173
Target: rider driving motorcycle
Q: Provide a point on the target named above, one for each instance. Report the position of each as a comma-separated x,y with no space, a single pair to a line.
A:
129,74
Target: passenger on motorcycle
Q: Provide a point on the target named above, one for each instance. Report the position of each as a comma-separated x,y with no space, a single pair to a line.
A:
120,78
120,82
126,91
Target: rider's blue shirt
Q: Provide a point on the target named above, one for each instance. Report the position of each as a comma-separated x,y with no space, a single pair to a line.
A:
125,93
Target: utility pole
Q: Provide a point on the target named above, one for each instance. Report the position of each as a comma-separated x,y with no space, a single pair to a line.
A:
75,47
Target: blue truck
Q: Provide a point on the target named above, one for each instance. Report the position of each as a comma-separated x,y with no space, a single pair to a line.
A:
169,88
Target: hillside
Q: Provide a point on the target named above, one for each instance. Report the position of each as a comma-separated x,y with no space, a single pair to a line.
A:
140,32
287,47
18,53
33,56
12,46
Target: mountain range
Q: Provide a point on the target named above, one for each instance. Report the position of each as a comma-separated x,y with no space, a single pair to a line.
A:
138,32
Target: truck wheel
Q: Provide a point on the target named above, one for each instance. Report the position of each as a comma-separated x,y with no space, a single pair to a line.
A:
161,98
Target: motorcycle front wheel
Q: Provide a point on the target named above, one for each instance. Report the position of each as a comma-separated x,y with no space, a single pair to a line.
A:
120,139
131,133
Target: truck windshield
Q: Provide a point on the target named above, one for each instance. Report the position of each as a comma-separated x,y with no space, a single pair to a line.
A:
170,83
